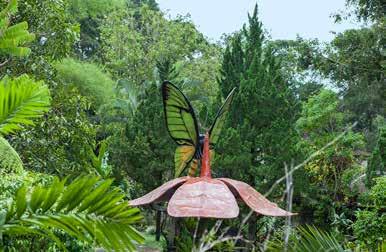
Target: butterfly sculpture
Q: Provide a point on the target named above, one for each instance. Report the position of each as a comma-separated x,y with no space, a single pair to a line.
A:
201,196
182,125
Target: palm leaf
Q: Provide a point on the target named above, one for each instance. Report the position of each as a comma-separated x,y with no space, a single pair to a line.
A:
12,38
11,8
311,239
21,100
87,209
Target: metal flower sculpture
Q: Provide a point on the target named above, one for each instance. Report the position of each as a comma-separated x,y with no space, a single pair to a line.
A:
201,196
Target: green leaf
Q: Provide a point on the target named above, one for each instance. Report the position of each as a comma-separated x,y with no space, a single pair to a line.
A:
21,100
95,195
53,194
21,202
95,213
11,8
37,198
13,38
83,191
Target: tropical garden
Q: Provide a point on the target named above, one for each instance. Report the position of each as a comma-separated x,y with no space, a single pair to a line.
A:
82,128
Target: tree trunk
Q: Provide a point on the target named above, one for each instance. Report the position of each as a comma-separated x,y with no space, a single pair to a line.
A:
289,193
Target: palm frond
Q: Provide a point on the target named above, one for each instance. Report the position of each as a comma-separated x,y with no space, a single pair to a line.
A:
9,159
21,100
87,209
12,38
311,239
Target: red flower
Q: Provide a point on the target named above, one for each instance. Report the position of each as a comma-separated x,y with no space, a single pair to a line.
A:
207,197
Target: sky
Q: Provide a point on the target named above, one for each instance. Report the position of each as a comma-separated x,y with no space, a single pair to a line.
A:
283,19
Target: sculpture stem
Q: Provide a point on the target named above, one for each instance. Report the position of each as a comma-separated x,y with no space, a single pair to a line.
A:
205,161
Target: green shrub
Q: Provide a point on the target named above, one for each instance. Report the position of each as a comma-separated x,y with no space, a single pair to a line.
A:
89,78
370,226
377,193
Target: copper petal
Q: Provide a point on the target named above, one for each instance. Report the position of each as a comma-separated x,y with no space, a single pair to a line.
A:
203,197
255,200
159,193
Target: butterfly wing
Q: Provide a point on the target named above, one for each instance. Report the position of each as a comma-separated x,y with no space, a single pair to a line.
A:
183,157
182,125
218,123
193,167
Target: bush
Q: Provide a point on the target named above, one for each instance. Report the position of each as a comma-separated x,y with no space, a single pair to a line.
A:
370,226
89,78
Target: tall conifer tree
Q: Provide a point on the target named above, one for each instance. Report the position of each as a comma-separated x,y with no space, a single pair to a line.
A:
260,131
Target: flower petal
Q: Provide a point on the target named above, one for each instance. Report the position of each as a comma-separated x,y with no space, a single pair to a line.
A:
254,199
160,193
203,197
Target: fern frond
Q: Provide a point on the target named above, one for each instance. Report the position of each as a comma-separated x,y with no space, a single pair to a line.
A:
10,161
87,209
21,100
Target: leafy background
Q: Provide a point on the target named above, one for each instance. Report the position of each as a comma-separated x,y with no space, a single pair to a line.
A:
80,81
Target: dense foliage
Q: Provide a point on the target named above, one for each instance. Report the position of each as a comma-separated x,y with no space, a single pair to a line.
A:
82,127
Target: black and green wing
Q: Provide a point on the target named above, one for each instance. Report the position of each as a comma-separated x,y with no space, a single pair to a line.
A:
181,124
215,130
